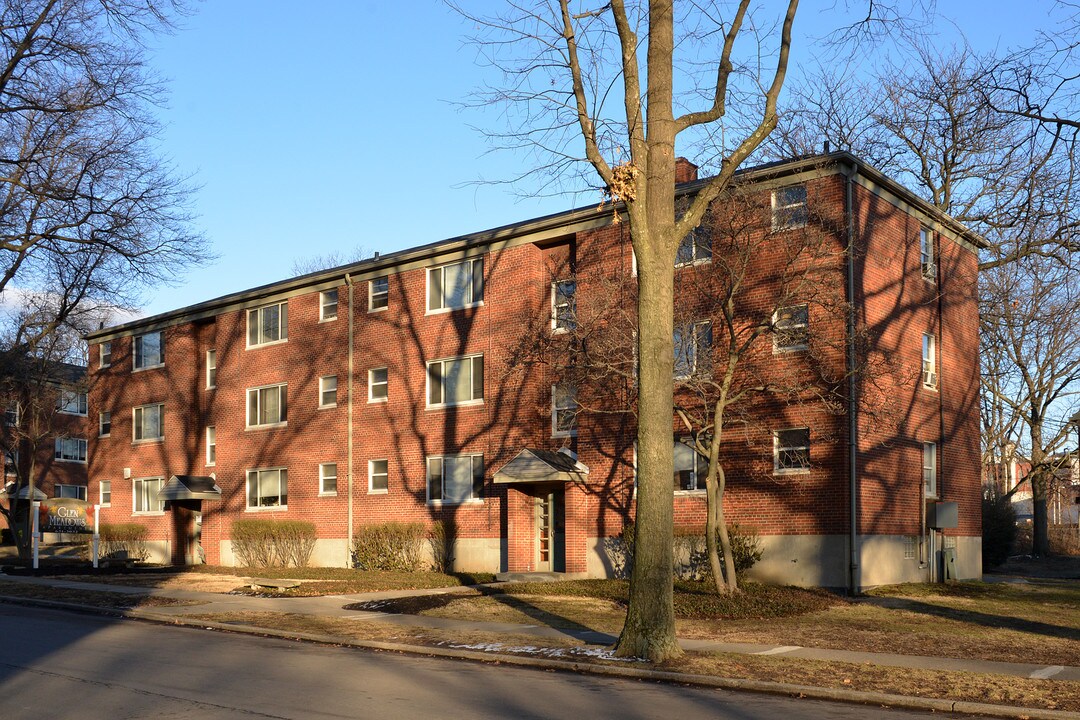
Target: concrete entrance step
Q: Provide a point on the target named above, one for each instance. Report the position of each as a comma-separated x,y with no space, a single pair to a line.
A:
532,577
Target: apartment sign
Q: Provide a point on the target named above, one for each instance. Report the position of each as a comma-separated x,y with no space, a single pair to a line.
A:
65,515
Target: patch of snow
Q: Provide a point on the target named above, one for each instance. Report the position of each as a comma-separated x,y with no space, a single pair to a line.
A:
599,653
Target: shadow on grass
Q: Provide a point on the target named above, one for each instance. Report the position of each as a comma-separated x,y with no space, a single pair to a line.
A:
983,619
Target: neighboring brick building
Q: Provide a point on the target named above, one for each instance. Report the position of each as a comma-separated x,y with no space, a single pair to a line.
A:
382,390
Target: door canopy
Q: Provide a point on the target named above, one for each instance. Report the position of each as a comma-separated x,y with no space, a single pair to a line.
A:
190,487
534,466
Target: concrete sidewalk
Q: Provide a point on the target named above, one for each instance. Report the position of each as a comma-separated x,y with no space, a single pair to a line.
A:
335,606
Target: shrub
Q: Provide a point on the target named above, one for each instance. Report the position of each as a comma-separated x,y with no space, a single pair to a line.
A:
691,554
122,537
441,538
389,546
999,527
1064,539
273,543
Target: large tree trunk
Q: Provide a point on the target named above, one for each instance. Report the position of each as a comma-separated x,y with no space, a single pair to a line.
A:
1040,539
649,631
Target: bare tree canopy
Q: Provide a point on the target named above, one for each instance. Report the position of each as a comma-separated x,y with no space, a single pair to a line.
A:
90,214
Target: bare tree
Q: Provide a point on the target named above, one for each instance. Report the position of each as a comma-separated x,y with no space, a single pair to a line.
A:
89,214
1031,346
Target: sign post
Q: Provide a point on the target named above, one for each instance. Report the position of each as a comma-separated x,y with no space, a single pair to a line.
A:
34,534
97,537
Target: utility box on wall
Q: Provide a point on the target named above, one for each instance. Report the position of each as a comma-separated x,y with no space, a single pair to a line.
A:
942,515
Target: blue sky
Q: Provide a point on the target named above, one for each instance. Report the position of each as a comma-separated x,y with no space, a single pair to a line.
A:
319,127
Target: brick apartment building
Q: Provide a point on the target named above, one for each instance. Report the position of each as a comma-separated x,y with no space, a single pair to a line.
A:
386,390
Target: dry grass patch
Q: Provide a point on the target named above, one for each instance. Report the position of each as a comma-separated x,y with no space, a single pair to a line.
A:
972,687
92,598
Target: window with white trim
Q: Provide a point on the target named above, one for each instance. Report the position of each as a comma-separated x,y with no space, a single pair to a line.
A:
71,402
328,305
211,369
791,328
328,391
268,324
144,493
148,422
11,415
457,285
328,479
563,305
104,424
211,445
455,479
929,361
693,349
926,254
149,350
267,488
929,469
105,493
456,381
564,410
105,354
378,476
378,293
690,467
791,450
74,492
267,405
378,382
695,248
789,207
70,449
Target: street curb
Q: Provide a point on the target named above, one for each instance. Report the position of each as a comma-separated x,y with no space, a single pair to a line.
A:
859,697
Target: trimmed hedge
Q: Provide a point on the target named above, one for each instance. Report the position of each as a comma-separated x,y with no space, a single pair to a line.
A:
691,555
273,543
122,537
389,546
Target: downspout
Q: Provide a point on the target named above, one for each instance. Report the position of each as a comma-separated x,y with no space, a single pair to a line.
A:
853,443
348,547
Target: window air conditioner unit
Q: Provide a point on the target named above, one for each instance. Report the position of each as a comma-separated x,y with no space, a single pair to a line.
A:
929,378
929,270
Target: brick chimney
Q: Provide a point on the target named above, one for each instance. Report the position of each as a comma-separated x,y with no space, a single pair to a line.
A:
685,171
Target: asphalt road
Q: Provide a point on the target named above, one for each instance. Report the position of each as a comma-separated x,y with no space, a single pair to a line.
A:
66,665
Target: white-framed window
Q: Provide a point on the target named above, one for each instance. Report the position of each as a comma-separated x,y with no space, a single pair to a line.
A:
144,499
148,423
929,469
791,450
563,305
378,476
105,354
211,445
71,402
693,348
211,369
690,467
328,391
456,381
328,304
695,248
564,410
267,488
105,493
791,328
70,449
378,293
328,478
457,285
104,423
268,324
378,383
455,479
11,415
75,492
929,361
927,259
267,405
149,350
789,207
